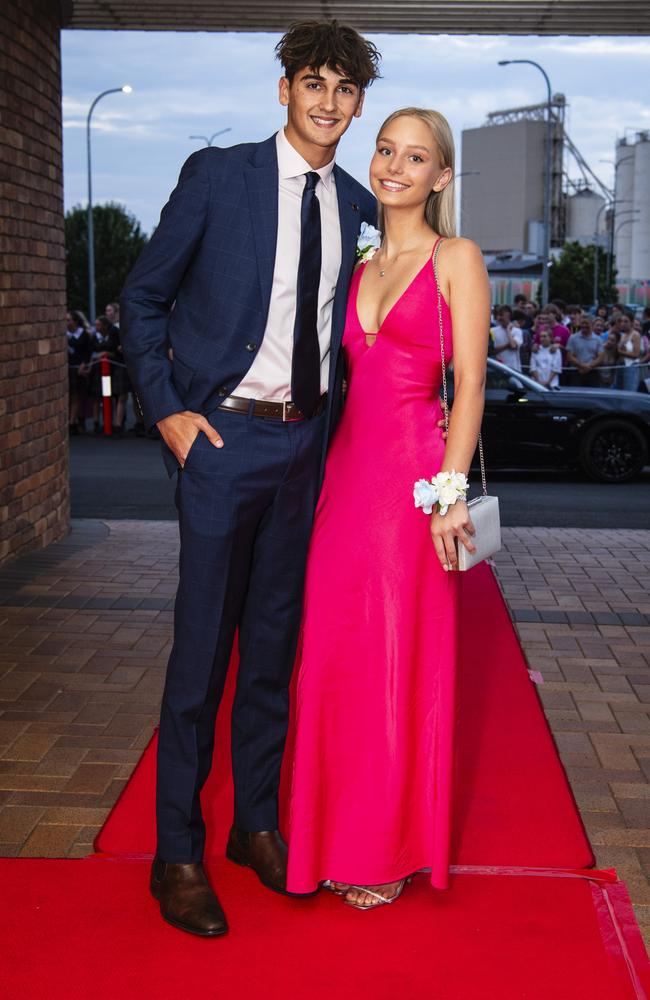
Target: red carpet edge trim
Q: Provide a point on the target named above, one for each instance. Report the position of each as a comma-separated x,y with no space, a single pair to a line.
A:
619,931
617,924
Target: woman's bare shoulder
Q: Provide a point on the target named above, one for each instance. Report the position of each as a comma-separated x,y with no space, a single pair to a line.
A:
461,251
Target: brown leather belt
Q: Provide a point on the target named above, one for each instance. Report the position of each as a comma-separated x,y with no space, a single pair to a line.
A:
264,408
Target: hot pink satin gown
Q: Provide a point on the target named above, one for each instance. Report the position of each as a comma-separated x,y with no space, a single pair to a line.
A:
372,781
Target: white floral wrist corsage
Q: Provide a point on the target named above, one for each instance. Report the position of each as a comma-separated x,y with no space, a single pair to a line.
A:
442,490
368,242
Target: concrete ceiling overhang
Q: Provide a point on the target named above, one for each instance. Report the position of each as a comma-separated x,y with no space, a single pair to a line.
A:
485,17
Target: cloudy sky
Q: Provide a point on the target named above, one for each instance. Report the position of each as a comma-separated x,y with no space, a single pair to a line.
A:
186,84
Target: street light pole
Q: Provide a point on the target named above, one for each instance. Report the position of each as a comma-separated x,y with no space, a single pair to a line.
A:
597,251
607,204
209,141
546,252
126,89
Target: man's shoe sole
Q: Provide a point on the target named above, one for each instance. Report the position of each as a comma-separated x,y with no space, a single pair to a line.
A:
192,930
243,862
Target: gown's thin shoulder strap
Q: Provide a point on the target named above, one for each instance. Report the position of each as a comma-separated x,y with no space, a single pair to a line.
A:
434,256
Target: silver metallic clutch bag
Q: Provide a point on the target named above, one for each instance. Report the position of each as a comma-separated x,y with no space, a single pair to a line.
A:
483,510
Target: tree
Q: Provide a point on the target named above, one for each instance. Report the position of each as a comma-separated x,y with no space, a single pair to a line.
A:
572,275
118,241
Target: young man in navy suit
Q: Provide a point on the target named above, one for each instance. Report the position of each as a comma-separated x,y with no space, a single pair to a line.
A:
246,279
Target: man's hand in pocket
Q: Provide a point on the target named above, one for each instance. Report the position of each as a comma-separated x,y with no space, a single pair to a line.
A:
180,431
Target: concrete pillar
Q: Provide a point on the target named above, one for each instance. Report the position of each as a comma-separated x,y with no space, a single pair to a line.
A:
34,503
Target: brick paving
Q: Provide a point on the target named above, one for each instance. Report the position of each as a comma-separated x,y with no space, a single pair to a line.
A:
85,632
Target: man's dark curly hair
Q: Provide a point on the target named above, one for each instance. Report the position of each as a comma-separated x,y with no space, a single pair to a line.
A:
312,44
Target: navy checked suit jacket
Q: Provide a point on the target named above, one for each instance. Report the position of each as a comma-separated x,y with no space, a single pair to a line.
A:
202,285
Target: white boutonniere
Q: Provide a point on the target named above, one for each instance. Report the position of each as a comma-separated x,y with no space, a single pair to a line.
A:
368,243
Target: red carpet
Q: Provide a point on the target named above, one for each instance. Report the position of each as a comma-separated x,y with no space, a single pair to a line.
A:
88,930
522,918
513,802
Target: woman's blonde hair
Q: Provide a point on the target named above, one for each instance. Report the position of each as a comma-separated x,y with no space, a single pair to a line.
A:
440,207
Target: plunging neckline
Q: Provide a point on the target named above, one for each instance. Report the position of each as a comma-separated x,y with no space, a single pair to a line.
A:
415,277
376,333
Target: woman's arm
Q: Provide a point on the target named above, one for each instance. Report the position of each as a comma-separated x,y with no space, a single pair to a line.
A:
466,287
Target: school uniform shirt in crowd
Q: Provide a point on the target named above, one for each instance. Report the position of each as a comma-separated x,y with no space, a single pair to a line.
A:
79,352
543,362
120,382
585,349
79,347
510,356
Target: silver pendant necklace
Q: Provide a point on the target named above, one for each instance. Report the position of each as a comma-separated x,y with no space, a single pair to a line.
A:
382,270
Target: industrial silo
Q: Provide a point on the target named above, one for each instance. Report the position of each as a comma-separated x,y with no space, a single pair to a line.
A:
625,157
640,230
584,215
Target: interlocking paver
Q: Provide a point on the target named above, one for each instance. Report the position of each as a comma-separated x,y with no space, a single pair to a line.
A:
49,841
85,632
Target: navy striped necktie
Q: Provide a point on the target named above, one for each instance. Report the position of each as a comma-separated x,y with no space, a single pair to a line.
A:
305,364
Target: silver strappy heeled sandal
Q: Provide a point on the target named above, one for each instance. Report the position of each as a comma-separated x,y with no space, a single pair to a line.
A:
379,900
338,888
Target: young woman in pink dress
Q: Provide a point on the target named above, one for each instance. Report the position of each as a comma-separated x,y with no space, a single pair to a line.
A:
372,784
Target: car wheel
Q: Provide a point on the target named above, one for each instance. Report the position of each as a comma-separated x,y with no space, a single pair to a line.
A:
613,451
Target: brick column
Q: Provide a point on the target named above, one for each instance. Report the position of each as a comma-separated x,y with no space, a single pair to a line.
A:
34,503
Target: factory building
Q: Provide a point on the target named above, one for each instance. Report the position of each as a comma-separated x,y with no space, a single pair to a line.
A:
502,193
632,218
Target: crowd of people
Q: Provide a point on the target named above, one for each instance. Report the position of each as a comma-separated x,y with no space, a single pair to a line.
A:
556,345
560,345
87,347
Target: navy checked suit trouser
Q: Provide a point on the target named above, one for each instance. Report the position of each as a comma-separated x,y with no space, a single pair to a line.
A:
245,516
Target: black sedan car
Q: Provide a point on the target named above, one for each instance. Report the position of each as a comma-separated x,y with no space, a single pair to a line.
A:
604,432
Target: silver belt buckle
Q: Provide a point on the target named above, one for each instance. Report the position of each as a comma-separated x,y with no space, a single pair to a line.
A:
286,403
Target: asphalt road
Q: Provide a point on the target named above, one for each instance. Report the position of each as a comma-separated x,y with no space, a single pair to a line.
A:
125,478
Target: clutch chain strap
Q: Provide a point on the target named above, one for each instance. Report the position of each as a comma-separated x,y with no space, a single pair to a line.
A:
444,369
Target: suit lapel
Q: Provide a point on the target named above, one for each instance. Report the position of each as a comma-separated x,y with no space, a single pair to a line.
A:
350,221
261,176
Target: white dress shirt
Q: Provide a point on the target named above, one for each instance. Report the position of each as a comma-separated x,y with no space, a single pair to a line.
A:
269,377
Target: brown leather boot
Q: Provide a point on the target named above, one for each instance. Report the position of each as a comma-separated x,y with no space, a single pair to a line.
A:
186,898
265,852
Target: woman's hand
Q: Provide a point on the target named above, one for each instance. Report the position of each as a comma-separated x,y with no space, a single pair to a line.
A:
446,528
